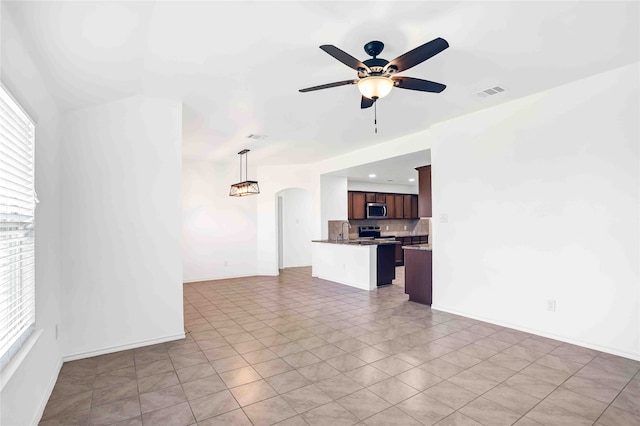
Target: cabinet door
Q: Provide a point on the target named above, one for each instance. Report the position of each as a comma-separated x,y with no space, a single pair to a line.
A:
391,206
406,206
424,190
349,205
358,205
399,206
381,198
399,253
370,197
414,207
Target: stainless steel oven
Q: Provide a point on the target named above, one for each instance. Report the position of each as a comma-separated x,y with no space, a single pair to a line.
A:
376,210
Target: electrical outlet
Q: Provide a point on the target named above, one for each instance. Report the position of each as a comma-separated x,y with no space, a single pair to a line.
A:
387,227
444,218
405,227
551,305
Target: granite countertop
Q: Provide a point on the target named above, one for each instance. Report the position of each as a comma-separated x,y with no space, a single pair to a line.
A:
360,242
418,247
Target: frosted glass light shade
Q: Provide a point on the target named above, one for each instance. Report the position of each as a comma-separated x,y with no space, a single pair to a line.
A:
375,87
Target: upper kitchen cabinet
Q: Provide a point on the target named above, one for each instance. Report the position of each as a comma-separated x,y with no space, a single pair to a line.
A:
424,191
357,205
391,206
410,206
399,206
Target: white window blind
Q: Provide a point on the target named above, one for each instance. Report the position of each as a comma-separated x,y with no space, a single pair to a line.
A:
17,208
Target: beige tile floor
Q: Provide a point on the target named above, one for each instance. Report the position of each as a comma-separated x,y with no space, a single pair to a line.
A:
292,350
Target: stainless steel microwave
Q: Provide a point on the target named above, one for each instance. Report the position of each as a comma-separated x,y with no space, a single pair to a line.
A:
376,210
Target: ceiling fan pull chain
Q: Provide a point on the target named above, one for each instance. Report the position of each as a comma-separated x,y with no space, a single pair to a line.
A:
375,116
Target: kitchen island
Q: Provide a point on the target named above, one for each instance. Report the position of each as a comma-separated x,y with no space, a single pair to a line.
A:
362,263
418,273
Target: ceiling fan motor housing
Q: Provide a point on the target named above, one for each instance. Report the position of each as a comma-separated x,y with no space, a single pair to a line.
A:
374,48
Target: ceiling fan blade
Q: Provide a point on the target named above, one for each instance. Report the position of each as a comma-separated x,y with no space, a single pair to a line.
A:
418,55
344,57
366,102
326,86
418,84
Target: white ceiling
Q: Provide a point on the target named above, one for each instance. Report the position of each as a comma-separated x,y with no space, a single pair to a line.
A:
237,66
392,171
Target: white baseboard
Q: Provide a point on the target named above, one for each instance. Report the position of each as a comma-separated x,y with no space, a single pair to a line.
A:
225,277
612,351
111,349
47,394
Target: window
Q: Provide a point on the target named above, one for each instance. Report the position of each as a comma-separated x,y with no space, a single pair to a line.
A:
17,208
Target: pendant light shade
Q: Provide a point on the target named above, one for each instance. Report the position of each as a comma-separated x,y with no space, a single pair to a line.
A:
246,187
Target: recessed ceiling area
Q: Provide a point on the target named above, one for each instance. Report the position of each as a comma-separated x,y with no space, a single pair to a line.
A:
237,66
393,171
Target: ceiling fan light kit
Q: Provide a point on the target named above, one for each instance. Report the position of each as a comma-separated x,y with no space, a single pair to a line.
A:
375,87
246,187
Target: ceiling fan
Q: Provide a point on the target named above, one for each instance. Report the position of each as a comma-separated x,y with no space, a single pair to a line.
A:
376,76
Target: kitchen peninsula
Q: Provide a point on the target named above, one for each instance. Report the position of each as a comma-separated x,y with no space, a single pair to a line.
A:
364,263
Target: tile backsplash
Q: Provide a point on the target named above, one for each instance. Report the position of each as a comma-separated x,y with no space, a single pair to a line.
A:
397,227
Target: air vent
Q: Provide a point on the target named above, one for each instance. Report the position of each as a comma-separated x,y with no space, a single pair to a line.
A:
491,91
256,136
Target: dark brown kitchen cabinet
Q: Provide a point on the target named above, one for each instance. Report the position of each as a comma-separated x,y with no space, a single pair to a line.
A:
421,239
406,206
399,252
398,201
418,275
424,191
414,207
399,206
358,208
385,265
410,206
391,206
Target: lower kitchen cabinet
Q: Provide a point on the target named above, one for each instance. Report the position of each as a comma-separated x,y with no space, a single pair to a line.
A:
418,275
386,263
399,253
407,241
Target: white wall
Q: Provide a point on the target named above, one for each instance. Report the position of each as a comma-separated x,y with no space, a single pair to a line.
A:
24,396
274,179
296,227
383,187
542,197
218,231
333,201
122,268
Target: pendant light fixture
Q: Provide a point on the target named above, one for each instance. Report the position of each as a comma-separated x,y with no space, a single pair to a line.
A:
246,187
